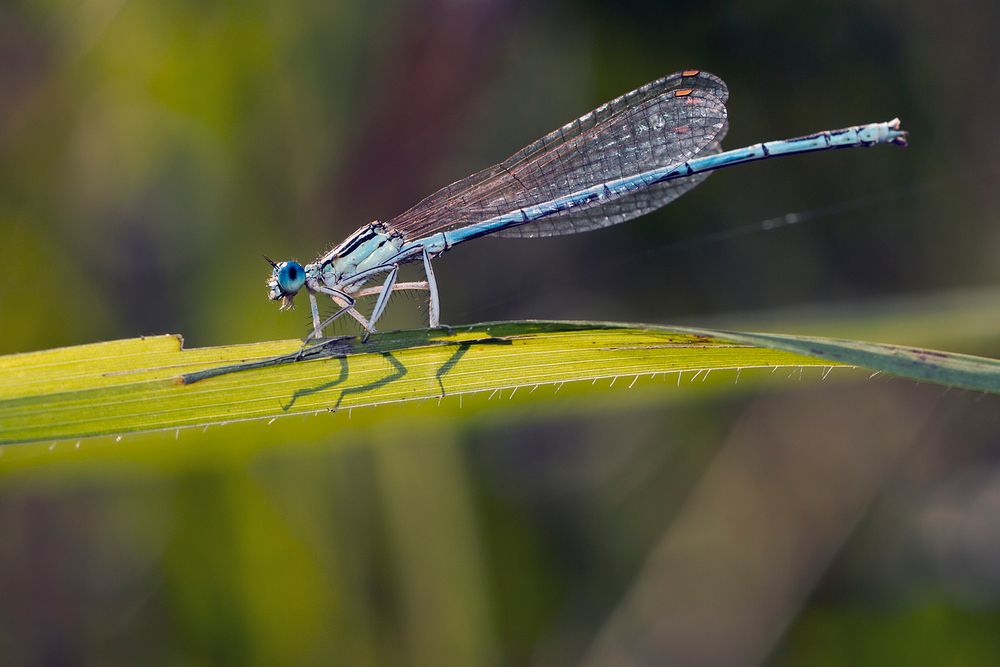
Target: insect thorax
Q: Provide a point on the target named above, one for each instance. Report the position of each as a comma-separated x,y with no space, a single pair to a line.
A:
370,246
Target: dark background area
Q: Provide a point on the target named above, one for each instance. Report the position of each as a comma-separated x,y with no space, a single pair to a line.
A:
151,151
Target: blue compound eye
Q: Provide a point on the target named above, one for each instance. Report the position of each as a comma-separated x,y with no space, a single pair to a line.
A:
291,277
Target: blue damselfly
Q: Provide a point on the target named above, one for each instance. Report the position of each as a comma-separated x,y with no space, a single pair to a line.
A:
624,159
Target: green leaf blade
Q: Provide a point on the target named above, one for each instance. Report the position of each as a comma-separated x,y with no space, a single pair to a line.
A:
153,383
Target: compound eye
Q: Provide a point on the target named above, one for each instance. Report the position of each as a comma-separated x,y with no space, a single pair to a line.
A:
291,277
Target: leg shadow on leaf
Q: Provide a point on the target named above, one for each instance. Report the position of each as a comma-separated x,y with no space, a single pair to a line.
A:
398,371
452,360
460,351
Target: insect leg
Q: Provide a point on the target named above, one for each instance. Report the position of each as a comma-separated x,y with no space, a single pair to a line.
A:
317,329
346,303
433,305
398,287
383,299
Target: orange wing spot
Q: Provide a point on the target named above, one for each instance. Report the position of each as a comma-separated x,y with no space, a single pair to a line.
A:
691,72
683,92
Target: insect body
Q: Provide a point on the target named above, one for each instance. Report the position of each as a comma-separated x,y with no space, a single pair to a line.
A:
622,160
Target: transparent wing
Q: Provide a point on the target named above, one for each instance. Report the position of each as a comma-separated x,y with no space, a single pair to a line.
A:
663,123
612,212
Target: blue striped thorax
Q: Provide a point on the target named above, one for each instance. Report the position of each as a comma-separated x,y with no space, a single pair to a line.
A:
368,247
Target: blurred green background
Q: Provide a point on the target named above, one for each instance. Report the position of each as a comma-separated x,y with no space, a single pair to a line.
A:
151,151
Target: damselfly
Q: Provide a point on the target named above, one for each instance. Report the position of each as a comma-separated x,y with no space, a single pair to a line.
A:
624,159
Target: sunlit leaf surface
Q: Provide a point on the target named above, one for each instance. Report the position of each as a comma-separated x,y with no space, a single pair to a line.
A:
153,383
